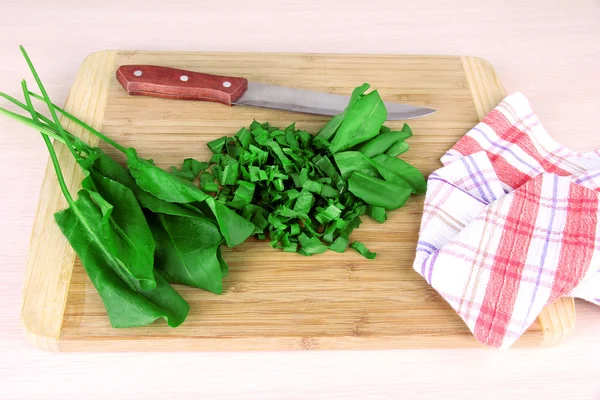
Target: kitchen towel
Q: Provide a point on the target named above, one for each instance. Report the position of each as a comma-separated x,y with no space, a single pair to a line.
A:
510,224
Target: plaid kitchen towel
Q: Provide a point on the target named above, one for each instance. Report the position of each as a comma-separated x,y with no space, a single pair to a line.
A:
510,224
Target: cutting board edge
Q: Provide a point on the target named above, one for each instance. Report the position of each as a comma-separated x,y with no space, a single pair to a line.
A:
281,53
42,315
43,326
278,343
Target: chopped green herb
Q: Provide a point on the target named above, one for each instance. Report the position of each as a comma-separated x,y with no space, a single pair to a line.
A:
362,249
377,213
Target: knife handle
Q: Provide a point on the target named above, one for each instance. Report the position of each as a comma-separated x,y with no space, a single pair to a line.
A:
178,84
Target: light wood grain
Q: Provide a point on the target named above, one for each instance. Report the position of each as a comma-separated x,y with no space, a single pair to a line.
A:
272,300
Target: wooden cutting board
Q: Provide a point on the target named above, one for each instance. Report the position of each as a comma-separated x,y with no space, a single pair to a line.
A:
272,300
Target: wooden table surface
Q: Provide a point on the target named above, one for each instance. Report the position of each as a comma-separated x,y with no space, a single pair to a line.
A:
547,49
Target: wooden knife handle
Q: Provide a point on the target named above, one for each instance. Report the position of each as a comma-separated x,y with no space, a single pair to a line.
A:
171,83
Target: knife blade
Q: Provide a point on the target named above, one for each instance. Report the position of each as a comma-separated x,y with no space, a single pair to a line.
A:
172,83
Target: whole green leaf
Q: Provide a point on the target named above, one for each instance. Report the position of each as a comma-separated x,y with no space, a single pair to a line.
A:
382,142
188,175
84,225
357,93
109,168
350,161
124,227
334,123
126,304
331,126
362,121
222,263
389,175
169,300
234,228
397,149
377,192
187,251
159,206
160,183
404,170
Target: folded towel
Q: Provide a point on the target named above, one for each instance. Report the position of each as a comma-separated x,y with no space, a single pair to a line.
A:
510,224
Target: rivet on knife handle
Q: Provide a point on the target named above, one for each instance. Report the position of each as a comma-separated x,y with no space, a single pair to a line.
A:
171,83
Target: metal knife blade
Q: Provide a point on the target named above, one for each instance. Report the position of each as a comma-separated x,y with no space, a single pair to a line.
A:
306,101
157,81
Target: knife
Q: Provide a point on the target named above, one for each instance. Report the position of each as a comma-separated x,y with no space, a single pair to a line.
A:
171,83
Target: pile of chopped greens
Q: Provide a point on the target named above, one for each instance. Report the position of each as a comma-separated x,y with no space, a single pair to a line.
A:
137,228
306,193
